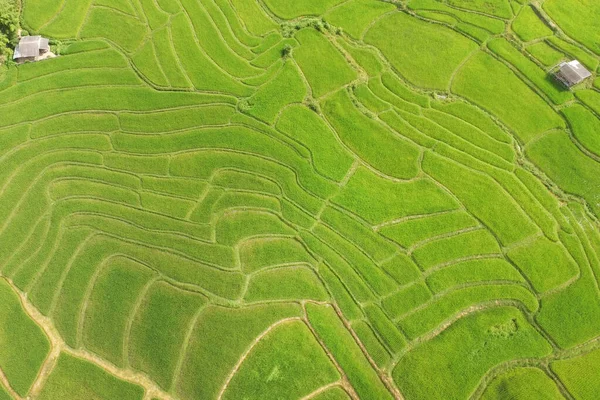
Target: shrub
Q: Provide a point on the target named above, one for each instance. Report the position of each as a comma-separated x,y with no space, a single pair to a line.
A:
9,24
286,51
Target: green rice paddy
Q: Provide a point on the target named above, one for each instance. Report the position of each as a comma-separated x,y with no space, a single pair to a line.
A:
310,199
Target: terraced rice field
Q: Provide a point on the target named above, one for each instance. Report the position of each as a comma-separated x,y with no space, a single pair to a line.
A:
309,199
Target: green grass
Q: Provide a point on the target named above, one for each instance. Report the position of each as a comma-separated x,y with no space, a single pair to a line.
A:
166,57
584,126
472,22
67,22
463,300
481,196
578,20
546,83
406,299
545,53
75,378
216,47
39,13
258,253
472,134
423,44
476,117
359,234
575,371
291,10
342,296
571,316
391,337
467,272
369,271
528,25
75,123
203,73
236,226
389,98
368,338
415,230
174,120
285,88
287,362
451,364
329,157
491,85
345,351
25,345
567,166
219,338
154,14
365,184
326,199
334,393
253,17
365,58
287,283
468,244
110,305
125,31
499,8
397,157
355,16
544,263
4,394
525,382
145,60
368,99
157,333
321,63
574,51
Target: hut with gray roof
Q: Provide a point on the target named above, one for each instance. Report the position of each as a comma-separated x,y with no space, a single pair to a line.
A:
571,73
31,48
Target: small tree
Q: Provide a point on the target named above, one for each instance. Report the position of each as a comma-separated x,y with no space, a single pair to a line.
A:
286,51
9,24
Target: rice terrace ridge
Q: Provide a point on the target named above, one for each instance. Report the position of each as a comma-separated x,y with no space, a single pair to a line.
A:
299,199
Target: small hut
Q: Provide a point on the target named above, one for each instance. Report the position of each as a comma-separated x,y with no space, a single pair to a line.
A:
571,73
31,48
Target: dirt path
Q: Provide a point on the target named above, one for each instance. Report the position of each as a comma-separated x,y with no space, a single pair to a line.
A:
249,350
58,345
4,384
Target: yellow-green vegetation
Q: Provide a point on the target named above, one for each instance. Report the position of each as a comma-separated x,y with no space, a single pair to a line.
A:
24,344
465,351
545,53
529,26
577,370
287,362
584,126
422,45
531,71
493,86
578,19
544,263
322,64
526,383
74,378
311,199
499,8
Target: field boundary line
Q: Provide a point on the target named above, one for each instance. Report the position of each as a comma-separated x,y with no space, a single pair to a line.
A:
5,384
58,345
253,344
323,389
